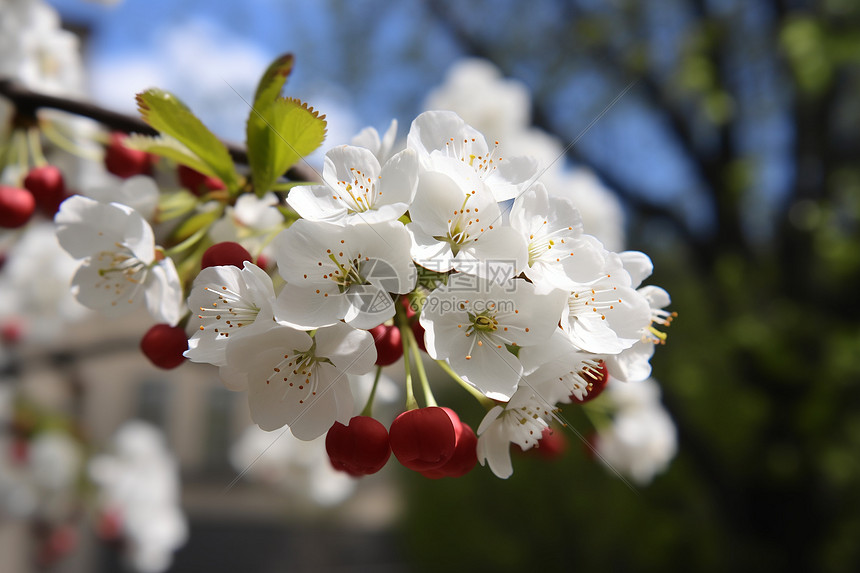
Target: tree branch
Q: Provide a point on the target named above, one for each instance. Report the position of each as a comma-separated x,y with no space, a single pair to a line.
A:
28,102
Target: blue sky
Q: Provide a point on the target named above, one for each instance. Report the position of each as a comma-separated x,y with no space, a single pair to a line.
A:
362,65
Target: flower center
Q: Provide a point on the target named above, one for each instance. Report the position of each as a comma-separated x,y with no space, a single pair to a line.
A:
348,273
229,311
541,242
483,165
463,224
360,193
662,318
120,271
299,373
596,301
526,423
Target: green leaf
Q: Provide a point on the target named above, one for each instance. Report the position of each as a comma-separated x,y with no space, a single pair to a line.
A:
279,135
167,114
273,81
166,146
195,223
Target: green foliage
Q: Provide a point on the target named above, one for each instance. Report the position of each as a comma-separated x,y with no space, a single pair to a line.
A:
279,135
167,114
166,146
273,80
280,131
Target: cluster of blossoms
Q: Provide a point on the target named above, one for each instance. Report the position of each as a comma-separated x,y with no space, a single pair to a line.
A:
445,247
448,248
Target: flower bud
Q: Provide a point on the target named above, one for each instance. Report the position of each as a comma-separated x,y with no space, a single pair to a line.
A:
465,452
48,188
124,162
164,344
197,182
360,448
423,439
16,206
226,253
389,347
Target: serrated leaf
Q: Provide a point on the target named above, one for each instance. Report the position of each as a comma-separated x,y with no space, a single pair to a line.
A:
273,80
166,146
279,135
167,114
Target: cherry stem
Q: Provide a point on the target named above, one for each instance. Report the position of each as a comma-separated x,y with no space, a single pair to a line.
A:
402,323
369,405
36,147
419,365
485,402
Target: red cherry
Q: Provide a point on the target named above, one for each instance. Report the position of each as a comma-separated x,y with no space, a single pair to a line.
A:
407,304
423,439
16,206
12,331
465,452
48,188
552,444
196,182
109,525
359,448
598,378
226,253
124,162
389,347
164,344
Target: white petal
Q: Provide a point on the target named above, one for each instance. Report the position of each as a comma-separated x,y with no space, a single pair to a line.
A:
304,308
494,448
110,293
638,266
352,351
316,203
492,370
164,293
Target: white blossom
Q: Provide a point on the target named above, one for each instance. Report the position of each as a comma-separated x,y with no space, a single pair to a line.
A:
227,302
471,323
345,273
356,189
120,267
297,380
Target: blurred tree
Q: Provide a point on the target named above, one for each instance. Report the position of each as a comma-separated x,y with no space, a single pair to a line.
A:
738,153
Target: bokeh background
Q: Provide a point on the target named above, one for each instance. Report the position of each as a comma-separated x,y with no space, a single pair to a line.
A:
729,130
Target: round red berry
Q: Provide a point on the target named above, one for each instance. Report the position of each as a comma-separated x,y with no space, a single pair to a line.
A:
197,182
48,188
164,344
226,253
124,162
465,451
423,439
16,206
389,346
359,448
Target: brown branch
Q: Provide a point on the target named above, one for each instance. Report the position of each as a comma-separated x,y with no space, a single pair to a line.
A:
28,102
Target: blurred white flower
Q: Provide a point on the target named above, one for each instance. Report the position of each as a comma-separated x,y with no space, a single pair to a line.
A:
35,285
476,90
642,439
297,466
139,485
